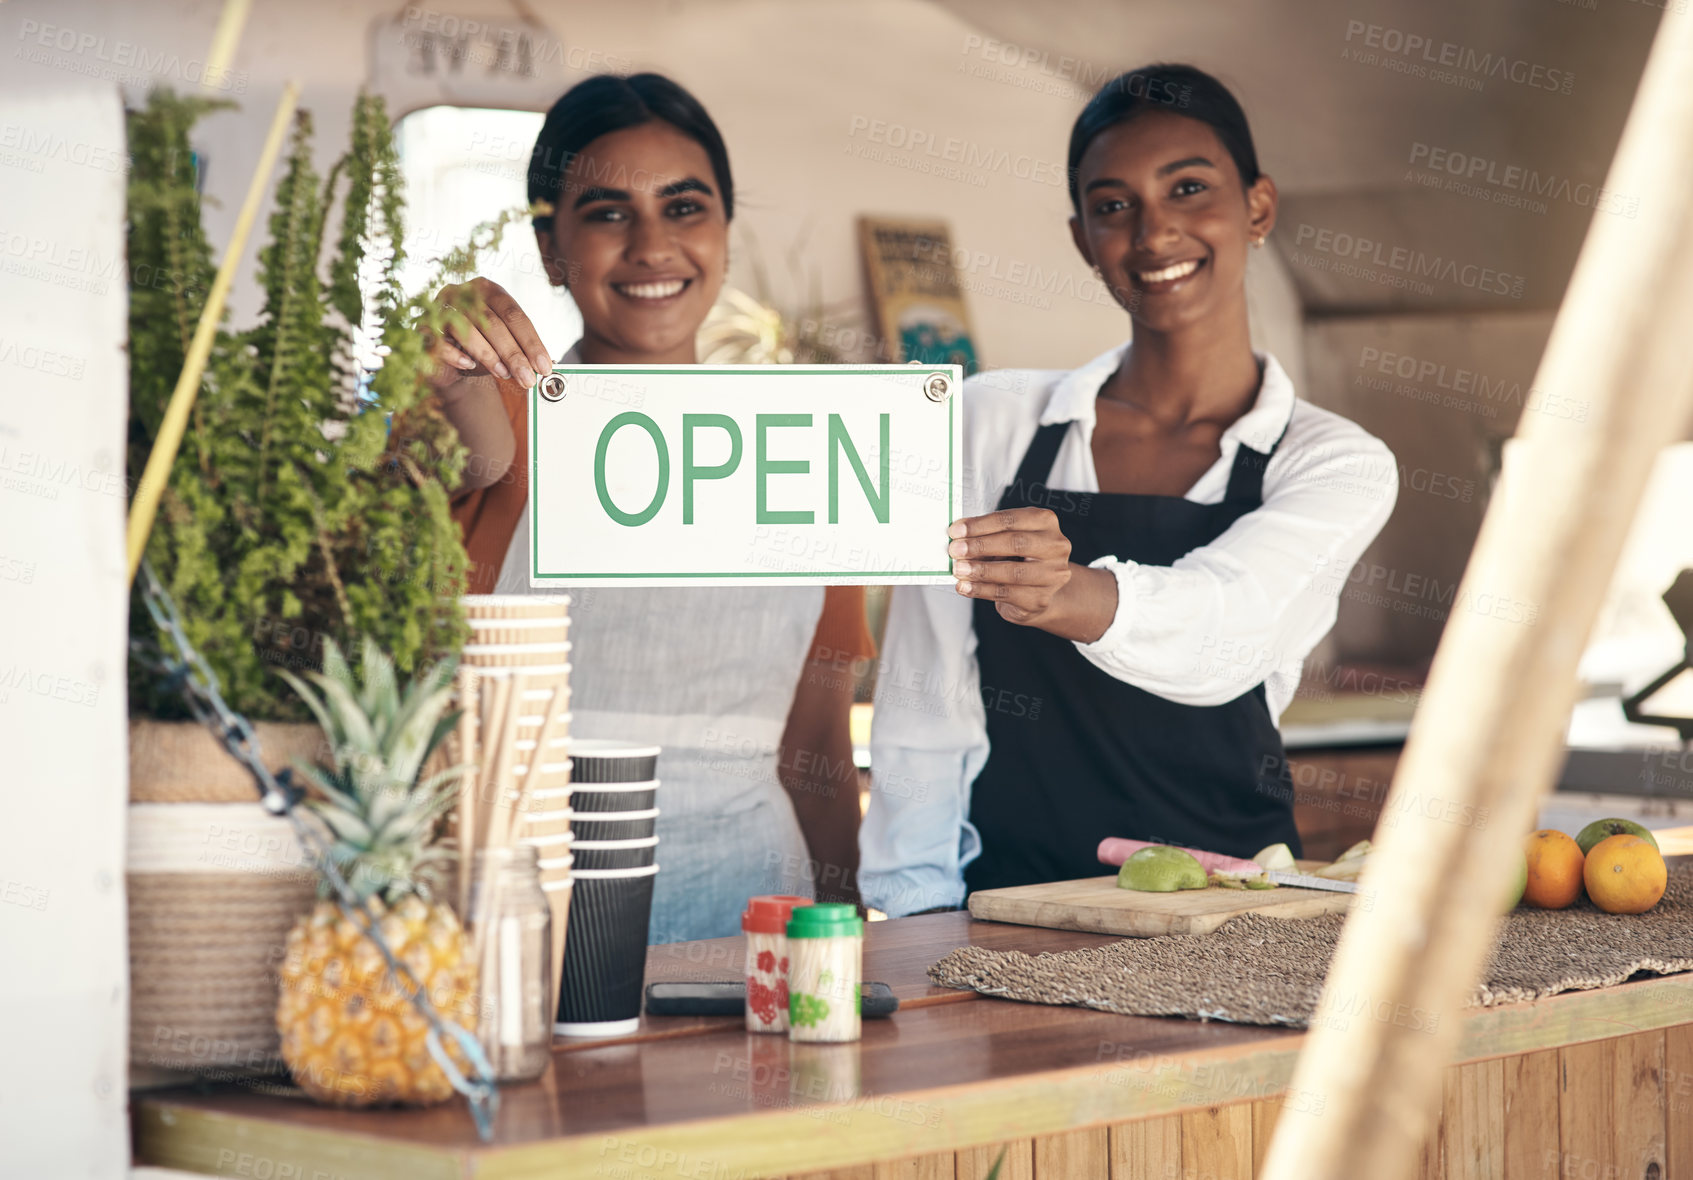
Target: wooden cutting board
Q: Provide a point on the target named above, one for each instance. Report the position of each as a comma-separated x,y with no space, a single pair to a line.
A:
1097,906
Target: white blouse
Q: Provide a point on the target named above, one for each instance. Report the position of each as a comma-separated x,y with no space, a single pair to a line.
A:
1245,609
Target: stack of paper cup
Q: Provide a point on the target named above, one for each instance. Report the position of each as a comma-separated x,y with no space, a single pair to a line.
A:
528,635
614,813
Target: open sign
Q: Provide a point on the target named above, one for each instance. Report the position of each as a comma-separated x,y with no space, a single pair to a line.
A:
678,475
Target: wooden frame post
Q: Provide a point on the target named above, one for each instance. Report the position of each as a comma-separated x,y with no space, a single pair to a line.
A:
1614,387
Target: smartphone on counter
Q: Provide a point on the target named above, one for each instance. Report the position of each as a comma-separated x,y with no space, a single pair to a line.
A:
729,998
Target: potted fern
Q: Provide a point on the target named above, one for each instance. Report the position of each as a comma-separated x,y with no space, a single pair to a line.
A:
307,509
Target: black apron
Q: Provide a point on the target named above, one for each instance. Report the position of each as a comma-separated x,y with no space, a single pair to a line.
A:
1076,754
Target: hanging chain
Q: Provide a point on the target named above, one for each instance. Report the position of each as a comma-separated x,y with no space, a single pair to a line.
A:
189,674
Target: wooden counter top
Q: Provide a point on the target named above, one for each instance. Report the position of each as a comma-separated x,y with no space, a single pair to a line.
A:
702,1098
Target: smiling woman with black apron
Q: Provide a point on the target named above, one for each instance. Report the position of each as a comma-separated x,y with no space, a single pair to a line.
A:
1160,542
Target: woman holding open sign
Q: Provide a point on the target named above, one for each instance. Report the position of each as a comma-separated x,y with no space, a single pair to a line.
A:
1158,541
641,193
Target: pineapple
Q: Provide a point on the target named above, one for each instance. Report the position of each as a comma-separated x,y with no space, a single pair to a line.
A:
349,1034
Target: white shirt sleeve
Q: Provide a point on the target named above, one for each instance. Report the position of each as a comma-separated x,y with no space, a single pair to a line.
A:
928,741
1259,597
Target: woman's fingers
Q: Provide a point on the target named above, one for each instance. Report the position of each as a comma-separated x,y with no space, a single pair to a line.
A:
486,324
451,364
1005,520
1017,558
1031,598
469,339
1026,533
532,352
513,362
1013,573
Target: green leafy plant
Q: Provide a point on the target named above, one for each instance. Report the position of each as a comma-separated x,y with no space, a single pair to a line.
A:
309,500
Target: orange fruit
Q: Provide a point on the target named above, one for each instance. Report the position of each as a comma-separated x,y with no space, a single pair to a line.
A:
1625,875
1555,866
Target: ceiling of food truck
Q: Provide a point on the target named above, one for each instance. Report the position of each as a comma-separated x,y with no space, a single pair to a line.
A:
1343,136
1347,98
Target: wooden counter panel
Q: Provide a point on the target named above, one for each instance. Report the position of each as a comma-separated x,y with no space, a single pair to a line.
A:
956,1075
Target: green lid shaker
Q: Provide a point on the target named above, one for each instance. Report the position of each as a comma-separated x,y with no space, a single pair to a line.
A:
825,968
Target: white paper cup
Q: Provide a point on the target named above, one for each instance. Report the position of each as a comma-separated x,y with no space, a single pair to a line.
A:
615,854
515,655
516,606
598,826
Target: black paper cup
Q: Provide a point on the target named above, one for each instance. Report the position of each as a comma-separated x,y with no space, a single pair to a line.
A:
586,797
612,762
605,952
615,854
615,825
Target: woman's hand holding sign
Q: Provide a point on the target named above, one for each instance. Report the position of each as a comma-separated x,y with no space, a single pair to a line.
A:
1019,559
488,334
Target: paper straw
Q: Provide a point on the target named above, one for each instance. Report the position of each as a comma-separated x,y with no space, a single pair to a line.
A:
468,693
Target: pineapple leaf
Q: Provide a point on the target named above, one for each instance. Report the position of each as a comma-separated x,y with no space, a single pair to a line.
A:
331,789
440,779
335,665
381,696
346,825
358,737
382,731
410,744
325,718
444,727
421,697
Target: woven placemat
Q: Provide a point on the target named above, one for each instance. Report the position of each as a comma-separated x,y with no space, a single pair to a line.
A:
1259,970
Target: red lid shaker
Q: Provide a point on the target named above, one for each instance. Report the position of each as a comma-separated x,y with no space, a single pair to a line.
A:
769,914
765,924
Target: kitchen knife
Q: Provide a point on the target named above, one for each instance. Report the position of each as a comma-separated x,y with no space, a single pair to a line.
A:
1305,881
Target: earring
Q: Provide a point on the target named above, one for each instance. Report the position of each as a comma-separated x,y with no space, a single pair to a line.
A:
1258,242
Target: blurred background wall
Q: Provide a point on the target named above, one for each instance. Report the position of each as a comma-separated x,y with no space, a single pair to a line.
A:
1438,165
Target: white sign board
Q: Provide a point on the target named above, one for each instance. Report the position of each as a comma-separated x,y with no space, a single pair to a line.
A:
678,475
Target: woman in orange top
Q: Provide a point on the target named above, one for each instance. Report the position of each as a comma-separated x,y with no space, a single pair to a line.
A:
639,182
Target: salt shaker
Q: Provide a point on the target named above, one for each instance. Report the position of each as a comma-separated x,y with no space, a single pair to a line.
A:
765,924
825,967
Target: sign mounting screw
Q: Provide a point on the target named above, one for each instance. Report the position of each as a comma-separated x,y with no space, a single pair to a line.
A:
937,388
552,387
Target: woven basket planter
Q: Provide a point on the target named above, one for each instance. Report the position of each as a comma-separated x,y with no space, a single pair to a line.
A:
181,762
215,882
